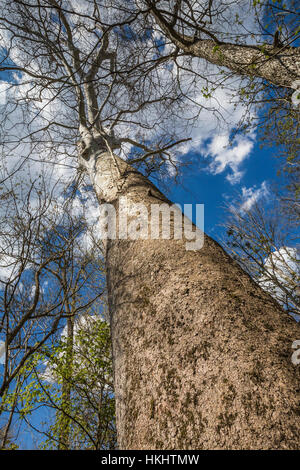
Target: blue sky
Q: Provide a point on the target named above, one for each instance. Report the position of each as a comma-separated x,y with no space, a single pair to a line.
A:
200,186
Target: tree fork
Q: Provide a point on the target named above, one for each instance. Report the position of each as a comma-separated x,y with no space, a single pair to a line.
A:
202,355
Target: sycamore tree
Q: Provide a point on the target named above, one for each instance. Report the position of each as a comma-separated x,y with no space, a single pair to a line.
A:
201,354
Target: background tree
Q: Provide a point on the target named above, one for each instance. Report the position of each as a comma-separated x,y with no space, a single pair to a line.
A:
48,277
26,319
83,418
161,296
264,239
8,440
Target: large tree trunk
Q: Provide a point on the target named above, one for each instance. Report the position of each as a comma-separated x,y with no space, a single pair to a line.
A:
202,355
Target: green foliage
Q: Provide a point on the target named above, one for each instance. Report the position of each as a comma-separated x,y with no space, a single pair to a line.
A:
77,386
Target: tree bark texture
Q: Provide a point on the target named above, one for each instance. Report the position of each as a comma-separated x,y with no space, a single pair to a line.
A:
202,355
280,67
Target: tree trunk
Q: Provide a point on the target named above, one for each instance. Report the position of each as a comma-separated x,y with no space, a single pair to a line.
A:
64,413
202,355
280,67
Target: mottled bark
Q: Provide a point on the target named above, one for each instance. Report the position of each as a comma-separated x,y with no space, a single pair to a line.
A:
202,355
278,65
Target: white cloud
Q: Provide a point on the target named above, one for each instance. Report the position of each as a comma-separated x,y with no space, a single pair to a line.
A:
282,273
2,352
225,156
220,116
7,267
251,195
4,86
